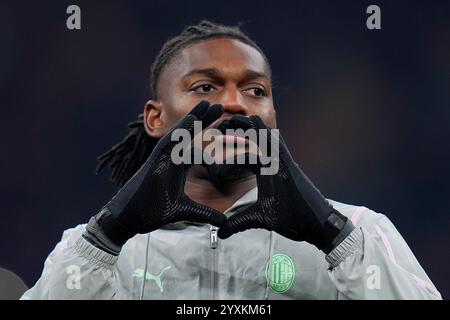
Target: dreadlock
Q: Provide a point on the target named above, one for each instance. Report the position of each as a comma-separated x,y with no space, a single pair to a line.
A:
127,156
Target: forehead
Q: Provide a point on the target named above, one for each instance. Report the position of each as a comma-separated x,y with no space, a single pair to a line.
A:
227,55
223,52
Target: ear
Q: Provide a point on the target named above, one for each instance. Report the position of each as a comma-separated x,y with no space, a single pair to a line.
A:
154,119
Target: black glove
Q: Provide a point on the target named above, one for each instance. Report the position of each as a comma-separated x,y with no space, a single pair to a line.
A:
288,203
154,196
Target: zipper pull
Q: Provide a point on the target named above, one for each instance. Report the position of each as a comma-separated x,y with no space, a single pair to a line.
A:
214,239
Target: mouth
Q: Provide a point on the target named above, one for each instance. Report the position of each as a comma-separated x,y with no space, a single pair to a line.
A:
229,140
225,141
233,141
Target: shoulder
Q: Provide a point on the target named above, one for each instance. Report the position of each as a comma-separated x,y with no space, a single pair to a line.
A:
360,215
69,237
74,231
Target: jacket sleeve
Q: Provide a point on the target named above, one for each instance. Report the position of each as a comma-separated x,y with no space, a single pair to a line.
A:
374,262
75,269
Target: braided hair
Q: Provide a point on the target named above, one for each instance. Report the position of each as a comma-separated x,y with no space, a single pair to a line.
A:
127,156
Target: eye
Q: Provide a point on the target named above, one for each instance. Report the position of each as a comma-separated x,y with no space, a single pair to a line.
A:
257,91
203,88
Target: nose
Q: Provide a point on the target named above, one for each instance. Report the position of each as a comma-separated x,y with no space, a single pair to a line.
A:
232,101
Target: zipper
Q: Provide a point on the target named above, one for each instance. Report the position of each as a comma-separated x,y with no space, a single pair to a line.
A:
214,241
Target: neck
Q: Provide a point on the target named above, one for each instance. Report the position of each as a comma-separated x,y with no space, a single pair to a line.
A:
201,189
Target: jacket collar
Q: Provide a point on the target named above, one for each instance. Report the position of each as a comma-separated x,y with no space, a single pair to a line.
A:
247,199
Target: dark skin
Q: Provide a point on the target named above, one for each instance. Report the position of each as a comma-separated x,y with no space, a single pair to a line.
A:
219,70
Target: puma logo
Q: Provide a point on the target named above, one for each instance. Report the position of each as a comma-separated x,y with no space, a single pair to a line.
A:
157,278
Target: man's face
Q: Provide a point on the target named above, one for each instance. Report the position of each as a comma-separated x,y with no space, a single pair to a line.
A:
222,70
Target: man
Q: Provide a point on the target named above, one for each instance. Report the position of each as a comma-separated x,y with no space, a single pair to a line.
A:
158,238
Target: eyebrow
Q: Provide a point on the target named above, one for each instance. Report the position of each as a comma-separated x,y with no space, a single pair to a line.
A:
214,73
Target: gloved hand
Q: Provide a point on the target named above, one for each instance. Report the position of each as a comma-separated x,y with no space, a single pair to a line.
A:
154,196
288,203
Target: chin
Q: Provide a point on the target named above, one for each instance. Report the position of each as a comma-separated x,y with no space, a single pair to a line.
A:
220,173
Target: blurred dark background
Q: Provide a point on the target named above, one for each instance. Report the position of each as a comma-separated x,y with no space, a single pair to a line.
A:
366,113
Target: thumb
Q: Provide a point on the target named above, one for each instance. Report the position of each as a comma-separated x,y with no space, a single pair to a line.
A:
249,218
195,212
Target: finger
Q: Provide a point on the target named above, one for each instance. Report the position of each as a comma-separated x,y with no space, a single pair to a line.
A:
185,127
236,122
240,121
206,113
200,109
270,143
213,113
248,155
258,123
241,221
195,212
203,113
268,185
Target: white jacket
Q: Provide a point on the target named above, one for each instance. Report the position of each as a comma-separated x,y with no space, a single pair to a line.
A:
179,261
